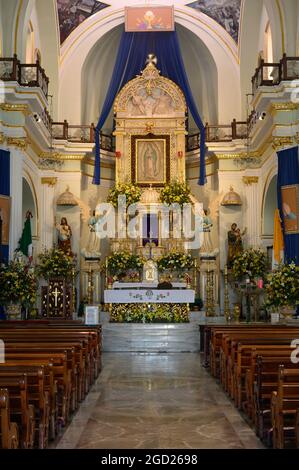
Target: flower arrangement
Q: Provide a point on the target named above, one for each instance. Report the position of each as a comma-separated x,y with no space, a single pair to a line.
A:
252,263
282,286
18,284
131,191
175,192
123,261
145,313
55,263
176,262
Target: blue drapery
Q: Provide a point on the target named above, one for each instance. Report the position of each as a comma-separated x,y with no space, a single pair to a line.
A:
132,54
4,191
288,174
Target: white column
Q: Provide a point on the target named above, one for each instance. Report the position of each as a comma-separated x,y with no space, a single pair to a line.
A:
47,209
253,217
16,185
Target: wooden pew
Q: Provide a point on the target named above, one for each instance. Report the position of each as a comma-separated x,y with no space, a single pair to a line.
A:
38,397
21,411
9,433
284,406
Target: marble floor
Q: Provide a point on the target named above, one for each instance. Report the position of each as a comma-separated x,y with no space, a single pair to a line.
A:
157,401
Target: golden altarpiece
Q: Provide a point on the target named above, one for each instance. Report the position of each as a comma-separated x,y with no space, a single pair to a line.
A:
150,130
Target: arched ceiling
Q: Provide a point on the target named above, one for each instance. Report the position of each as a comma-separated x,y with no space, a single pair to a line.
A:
72,13
200,66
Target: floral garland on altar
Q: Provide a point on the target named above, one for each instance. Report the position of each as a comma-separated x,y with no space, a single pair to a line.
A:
131,191
176,262
123,261
155,313
283,286
175,193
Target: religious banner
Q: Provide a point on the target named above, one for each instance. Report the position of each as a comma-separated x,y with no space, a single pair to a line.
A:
5,217
290,208
149,19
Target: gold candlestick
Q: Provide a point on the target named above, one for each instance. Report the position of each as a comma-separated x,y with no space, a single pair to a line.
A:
227,312
90,287
210,303
74,288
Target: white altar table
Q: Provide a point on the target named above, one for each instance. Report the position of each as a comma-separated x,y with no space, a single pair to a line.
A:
145,285
141,296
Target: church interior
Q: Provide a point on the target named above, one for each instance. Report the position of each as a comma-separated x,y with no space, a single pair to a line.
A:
149,224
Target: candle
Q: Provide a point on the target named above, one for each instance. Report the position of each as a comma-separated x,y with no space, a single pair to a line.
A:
225,270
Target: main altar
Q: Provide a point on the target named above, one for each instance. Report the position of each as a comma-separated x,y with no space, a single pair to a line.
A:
150,276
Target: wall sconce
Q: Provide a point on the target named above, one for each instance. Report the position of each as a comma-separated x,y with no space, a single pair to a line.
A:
180,154
117,154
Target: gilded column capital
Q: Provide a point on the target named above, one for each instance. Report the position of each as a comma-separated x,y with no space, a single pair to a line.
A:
24,108
49,180
249,180
19,142
281,142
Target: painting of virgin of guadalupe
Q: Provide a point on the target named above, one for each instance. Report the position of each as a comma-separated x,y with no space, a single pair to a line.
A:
150,161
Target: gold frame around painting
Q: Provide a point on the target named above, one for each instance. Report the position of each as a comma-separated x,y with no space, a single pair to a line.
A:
290,208
156,172
5,215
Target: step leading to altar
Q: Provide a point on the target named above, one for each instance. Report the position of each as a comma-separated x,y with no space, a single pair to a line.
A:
149,338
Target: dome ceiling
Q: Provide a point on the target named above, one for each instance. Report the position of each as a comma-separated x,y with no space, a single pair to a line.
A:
226,13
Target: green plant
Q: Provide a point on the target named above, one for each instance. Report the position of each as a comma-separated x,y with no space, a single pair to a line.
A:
252,263
145,313
55,263
122,261
131,191
176,262
18,284
282,286
175,193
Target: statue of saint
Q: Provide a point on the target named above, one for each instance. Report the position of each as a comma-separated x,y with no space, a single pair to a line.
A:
64,236
235,243
207,246
92,249
150,163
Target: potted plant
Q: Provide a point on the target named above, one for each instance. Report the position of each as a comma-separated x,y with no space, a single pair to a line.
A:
250,264
282,289
18,288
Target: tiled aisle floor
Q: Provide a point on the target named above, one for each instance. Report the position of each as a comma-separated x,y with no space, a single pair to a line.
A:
164,401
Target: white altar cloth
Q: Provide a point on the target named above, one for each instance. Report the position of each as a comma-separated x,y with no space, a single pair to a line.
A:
141,296
145,285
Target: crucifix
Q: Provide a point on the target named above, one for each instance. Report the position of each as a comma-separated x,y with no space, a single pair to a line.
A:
56,293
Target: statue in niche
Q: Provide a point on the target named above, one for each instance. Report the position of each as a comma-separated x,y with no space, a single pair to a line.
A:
235,243
93,245
64,236
207,246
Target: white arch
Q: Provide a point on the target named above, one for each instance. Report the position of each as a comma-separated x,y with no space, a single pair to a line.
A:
80,42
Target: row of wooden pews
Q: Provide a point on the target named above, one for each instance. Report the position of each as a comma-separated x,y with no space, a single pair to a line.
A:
49,369
254,366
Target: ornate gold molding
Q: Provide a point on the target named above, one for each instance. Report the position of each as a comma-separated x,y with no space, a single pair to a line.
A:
286,106
61,156
2,138
280,142
19,142
297,137
49,180
240,155
249,180
14,107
